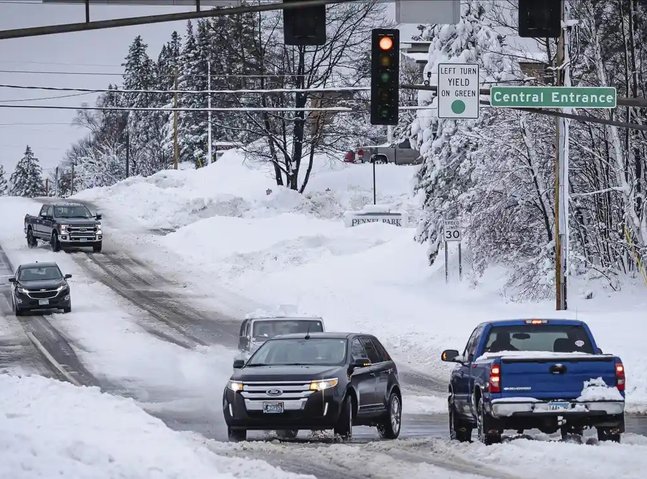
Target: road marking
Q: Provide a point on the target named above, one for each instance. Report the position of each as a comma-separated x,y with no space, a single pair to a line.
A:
51,359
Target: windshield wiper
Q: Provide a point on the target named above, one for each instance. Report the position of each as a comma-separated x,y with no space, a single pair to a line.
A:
257,364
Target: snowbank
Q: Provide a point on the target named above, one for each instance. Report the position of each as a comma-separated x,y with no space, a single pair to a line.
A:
286,248
53,429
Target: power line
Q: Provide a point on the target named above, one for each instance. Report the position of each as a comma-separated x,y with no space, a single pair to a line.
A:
14,100
167,75
146,109
197,92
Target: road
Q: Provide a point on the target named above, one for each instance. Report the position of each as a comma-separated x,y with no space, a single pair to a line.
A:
161,309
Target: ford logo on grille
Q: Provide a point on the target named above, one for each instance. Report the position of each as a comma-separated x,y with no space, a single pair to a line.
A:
274,392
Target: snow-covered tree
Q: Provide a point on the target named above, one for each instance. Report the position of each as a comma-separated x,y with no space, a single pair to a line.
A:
27,178
449,148
4,186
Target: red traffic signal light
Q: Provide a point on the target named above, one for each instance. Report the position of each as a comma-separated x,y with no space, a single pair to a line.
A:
385,82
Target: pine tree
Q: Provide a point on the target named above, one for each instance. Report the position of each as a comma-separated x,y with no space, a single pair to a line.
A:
4,186
27,180
447,146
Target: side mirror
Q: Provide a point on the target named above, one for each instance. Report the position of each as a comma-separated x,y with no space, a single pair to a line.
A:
68,276
98,216
12,280
450,355
359,363
239,363
599,351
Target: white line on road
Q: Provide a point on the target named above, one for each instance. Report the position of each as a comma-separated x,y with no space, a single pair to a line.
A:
51,359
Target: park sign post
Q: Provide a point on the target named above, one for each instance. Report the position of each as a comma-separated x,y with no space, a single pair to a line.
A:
552,97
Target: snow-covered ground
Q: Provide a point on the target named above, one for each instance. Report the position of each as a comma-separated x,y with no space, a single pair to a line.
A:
239,244
53,429
230,225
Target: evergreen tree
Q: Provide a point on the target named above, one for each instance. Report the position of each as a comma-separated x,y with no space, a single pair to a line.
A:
4,186
447,146
27,179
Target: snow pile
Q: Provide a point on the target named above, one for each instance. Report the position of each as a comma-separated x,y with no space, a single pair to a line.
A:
52,429
286,248
597,390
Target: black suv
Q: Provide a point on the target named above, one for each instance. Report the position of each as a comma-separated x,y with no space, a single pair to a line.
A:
317,381
40,286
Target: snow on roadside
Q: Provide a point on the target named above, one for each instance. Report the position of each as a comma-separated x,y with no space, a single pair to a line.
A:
49,428
285,248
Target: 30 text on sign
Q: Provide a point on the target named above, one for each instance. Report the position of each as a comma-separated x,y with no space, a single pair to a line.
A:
553,97
458,90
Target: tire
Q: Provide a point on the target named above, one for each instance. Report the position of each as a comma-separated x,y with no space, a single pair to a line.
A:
344,426
605,434
68,309
97,248
16,310
390,428
236,435
484,425
570,431
54,242
32,242
287,433
459,430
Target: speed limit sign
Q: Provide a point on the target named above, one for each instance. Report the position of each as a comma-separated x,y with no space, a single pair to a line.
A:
452,231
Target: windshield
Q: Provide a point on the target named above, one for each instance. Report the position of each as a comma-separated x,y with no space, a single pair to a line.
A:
313,351
74,211
265,329
549,338
40,273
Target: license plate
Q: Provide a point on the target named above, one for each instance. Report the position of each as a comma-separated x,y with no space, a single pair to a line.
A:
83,239
559,405
273,407
43,302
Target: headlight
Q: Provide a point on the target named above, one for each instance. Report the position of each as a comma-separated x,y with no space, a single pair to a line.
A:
323,384
21,290
64,228
61,288
98,230
235,386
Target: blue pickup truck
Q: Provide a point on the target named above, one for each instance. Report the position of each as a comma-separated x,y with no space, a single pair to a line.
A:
547,374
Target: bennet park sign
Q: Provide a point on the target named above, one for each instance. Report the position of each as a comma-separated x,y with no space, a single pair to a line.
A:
360,218
553,97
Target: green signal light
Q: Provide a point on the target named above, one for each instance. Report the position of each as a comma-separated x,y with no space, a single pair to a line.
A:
385,77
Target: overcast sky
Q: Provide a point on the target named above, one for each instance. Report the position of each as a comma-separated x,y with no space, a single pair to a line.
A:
101,52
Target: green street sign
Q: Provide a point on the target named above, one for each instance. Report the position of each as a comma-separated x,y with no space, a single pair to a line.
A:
553,97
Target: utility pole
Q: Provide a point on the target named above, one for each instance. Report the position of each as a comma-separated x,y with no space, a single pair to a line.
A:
209,146
72,181
56,180
176,152
561,172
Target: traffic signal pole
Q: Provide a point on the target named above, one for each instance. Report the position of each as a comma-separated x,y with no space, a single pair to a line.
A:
561,173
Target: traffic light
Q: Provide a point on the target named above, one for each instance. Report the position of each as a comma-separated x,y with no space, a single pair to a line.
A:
304,25
385,76
540,18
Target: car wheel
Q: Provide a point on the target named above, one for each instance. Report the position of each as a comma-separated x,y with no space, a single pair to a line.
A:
390,428
236,435
17,311
344,426
54,242
608,434
32,242
68,308
97,248
459,430
484,426
287,433
570,431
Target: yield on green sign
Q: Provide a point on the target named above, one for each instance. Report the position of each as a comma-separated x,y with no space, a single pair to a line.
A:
458,90
553,97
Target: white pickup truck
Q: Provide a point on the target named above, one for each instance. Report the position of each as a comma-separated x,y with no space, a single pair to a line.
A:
255,331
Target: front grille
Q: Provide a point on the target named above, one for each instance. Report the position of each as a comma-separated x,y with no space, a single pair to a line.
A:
48,294
293,394
78,232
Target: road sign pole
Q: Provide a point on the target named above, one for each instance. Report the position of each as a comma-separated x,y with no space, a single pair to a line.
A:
446,265
460,262
374,189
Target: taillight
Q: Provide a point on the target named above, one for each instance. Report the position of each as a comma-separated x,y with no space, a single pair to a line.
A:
620,376
495,379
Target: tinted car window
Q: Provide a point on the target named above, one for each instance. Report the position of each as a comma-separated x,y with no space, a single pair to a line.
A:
313,351
549,338
470,349
371,350
44,273
242,328
357,350
381,350
74,211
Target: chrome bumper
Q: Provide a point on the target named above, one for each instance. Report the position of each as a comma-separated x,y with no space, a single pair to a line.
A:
531,408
